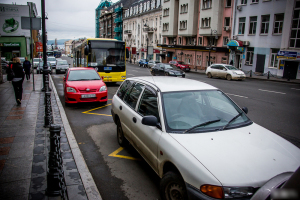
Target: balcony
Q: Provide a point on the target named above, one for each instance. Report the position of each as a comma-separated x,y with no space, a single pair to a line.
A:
149,29
119,9
118,37
118,29
127,32
118,20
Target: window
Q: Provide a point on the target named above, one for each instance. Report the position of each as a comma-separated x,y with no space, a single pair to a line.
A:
252,25
228,3
179,40
183,8
166,12
165,26
132,96
249,56
274,60
160,19
265,19
212,41
243,2
278,23
295,32
183,25
148,104
255,1
242,22
122,91
189,41
206,4
165,40
227,21
205,22
225,41
200,41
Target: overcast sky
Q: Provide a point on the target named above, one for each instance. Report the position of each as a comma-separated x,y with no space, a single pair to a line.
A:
67,19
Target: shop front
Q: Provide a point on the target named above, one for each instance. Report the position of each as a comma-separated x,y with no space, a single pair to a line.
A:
289,64
17,48
236,52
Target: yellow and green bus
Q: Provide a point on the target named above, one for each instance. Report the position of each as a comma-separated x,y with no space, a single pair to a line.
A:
106,56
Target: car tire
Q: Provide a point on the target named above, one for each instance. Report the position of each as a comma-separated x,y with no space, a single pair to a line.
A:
172,186
166,74
228,77
120,135
209,75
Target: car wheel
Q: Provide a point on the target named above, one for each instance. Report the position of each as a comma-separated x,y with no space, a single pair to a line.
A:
228,77
172,187
152,73
209,75
166,74
121,139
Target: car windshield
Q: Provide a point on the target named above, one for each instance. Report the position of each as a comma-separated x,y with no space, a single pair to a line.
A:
181,62
230,67
167,66
62,62
83,75
201,111
51,59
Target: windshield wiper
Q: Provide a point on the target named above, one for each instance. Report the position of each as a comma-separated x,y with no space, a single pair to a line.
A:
202,124
231,121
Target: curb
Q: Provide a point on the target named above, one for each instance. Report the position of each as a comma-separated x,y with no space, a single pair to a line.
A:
86,177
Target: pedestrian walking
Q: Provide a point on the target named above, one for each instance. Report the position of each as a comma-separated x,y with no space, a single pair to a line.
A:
17,81
27,68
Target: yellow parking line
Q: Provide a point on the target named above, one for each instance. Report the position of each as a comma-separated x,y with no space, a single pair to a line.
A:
89,111
115,154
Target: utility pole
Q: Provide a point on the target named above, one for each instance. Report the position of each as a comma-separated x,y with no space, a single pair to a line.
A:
45,66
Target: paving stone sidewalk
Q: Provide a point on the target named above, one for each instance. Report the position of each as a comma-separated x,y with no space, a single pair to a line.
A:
24,147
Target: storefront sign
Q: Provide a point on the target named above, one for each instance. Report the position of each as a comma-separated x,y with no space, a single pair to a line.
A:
287,55
10,44
39,47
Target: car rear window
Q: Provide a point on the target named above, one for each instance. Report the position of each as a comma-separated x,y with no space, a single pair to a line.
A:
132,95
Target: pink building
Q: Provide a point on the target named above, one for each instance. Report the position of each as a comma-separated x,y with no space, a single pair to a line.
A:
193,30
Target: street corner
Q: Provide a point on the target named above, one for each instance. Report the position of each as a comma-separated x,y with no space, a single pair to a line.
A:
102,110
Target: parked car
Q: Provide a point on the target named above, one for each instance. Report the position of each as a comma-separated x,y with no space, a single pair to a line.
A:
61,66
151,63
36,61
143,62
40,68
200,143
164,69
22,59
4,65
82,84
180,64
225,71
52,61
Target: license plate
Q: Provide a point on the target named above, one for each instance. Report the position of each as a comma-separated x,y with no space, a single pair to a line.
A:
88,95
107,68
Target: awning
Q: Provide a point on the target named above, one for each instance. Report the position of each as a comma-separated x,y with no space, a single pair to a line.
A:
235,43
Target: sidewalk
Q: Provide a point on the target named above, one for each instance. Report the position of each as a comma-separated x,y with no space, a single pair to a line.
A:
24,147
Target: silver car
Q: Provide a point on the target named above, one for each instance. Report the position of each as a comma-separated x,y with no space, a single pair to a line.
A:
52,61
61,66
151,63
40,68
36,61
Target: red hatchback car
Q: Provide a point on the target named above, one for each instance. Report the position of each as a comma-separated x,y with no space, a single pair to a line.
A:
82,84
181,65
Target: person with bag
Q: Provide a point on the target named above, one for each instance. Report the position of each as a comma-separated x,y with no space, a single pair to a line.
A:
17,81
27,67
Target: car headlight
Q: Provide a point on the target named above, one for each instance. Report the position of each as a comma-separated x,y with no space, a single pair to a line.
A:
235,73
103,88
70,89
171,73
238,192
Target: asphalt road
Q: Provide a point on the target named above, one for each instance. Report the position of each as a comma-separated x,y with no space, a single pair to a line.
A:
122,174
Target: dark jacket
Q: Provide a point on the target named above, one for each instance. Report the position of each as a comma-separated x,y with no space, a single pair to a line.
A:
26,65
18,70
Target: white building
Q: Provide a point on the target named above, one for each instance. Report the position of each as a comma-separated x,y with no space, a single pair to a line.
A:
264,27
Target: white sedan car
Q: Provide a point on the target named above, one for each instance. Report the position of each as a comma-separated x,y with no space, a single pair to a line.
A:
198,141
225,71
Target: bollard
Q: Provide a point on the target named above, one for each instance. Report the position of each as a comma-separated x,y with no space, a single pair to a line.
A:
48,118
55,171
268,74
250,73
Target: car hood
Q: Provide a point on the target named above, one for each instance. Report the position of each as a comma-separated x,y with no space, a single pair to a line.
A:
237,72
247,156
82,85
62,66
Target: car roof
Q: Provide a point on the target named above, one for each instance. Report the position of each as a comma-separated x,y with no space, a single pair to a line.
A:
171,84
81,68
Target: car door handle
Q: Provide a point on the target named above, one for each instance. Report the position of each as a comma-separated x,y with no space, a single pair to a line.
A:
120,107
134,119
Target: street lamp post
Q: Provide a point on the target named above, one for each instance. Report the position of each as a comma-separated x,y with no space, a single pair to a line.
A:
145,25
45,67
210,39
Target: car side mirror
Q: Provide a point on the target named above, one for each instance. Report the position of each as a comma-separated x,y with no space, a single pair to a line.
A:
151,121
245,109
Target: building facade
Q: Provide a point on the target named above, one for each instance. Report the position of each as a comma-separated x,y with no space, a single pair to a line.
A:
264,28
196,32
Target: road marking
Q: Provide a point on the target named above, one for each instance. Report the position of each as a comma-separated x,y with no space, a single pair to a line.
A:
115,154
237,95
89,111
295,89
135,70
131,74
271,91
